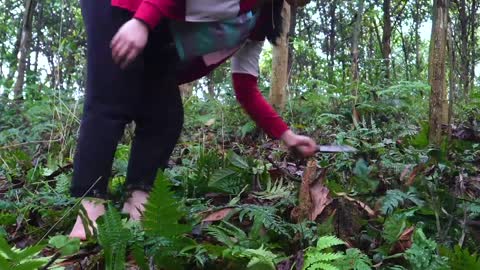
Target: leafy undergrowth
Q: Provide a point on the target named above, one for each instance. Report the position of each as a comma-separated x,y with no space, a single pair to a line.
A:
233,200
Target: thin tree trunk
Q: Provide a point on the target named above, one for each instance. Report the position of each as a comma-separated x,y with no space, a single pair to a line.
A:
405,54
355,55
355,48
451,78
186,90
211,86
291,36
416,26
387,36
464,55
437,68
280,64
473,42
25,45
332,41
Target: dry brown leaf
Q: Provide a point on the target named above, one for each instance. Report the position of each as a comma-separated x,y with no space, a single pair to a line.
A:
404,173
363,205
413,175
218,215
404,241
320,199
302,211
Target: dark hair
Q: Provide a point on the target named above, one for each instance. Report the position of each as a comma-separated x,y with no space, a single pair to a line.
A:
273,26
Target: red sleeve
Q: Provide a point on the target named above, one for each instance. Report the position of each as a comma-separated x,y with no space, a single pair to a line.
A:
253,102
152,11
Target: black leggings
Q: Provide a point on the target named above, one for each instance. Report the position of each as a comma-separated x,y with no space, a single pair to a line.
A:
146,93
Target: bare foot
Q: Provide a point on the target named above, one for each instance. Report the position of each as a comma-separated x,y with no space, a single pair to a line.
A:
135,204
94,209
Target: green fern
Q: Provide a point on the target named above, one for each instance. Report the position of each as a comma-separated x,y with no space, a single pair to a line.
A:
395,198
460,259
354,259
114,238
162,212
473,208
318,258
423,254
261,258
229,235
16,259
275,191
266,216
393,227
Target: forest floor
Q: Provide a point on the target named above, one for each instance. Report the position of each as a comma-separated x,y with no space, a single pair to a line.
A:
232,199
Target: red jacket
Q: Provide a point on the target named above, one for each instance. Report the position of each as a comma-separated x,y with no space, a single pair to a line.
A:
152,11
245,61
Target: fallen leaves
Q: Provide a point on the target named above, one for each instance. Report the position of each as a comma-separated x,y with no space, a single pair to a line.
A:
313,196
404,241
320,199
217,215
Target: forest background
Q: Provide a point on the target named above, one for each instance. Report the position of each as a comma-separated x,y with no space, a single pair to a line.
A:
398,80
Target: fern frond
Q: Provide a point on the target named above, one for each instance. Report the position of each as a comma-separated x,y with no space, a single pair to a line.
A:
113,237
393,228
19,259
394,198
356,260
328,241
423,253
325,257
473,208
315,258
261,257
275,191
162,212
266,216
227,234
320,266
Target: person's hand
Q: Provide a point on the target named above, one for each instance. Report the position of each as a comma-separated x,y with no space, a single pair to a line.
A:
303,144
129,42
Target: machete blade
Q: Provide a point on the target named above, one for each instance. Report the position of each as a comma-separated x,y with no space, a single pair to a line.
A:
336,149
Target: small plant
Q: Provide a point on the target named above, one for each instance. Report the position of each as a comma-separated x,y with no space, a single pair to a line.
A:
320,258
20,259
396,198
114,238
423,253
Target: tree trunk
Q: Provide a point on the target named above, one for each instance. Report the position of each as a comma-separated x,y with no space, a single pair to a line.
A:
473,42
332,41
355,55
280,64
355,48
437,67
291,36
25,45
186,90
211,86
452,61
416,26
405,55
387,36
464,55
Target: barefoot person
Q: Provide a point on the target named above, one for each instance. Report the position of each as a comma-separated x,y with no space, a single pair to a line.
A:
132,76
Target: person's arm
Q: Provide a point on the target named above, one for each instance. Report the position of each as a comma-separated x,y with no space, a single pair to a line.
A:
245,71
152,11
132,37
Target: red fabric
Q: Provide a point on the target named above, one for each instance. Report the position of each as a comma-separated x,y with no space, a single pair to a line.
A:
152,11
253,102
